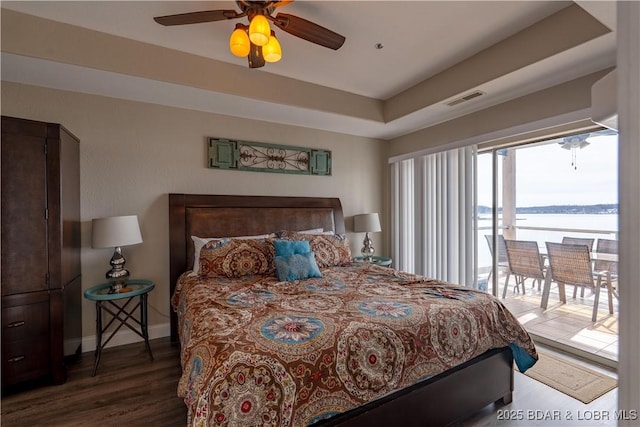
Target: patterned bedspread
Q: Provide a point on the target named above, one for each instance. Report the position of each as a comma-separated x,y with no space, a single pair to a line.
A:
256,351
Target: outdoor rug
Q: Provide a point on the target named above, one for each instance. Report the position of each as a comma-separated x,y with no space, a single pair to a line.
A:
571,379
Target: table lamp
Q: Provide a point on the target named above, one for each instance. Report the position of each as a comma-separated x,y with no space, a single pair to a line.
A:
115,232
366,223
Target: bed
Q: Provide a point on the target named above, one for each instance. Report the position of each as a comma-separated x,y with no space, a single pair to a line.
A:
325,374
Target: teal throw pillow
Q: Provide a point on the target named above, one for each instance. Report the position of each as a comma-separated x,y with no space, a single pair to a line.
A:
290,247
296,267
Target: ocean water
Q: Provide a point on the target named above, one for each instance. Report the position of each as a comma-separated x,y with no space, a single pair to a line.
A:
600,222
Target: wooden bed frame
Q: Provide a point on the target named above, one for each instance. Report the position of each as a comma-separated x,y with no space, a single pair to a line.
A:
440,400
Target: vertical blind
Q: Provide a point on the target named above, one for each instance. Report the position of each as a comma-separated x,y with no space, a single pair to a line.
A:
433,214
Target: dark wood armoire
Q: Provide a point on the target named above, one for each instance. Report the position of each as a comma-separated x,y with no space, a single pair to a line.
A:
41,290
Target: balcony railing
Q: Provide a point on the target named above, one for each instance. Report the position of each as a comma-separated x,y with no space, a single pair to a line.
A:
610,233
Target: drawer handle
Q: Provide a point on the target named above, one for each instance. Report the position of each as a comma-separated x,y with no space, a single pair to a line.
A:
15,324
15,359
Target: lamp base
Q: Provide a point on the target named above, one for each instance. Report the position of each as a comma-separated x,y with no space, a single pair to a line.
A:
367,250
118,275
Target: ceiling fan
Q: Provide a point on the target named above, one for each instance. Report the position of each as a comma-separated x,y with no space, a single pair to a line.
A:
573,143
257,41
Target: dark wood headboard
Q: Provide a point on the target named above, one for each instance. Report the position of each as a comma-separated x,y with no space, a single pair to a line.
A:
229,216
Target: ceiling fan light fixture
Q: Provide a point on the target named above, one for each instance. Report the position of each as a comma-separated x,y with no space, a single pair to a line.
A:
248,40
259,30
239,43
272,52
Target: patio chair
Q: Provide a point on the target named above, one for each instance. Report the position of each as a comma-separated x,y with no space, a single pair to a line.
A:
579,241
571,265
607,268
525,262
503,262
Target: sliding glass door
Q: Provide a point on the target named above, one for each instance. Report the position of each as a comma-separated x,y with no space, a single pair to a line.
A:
490,166
553,190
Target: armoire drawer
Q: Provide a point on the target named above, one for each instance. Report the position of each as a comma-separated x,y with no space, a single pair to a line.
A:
25,360
24,322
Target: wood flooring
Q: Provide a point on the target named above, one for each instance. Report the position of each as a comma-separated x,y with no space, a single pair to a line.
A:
131,390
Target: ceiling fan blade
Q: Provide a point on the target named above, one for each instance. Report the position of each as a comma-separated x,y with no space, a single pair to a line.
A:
281,3
309,31
197,17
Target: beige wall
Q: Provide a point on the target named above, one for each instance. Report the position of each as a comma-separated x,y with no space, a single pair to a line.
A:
553,102
133,154
628,18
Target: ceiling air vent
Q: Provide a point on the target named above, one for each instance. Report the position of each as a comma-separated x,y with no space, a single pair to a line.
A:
465,98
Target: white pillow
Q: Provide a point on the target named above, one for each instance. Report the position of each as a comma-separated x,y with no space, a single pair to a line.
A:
317,231
199,242
313,231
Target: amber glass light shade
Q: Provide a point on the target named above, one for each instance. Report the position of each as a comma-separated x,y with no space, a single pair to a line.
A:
239,42
259,30
272,52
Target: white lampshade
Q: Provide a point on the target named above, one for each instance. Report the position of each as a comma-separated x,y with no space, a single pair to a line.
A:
115,231
369,222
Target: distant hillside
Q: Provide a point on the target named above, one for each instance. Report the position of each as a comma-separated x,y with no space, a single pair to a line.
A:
560,209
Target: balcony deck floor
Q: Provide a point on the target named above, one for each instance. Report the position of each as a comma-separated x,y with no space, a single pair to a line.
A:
569,324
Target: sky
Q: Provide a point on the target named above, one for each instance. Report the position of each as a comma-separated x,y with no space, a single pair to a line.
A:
545,175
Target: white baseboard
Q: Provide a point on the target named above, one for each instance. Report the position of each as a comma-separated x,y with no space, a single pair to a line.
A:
125,336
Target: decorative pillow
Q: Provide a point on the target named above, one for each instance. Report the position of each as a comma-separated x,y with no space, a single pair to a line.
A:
329,250
199,242
296,266
236,257
290,247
